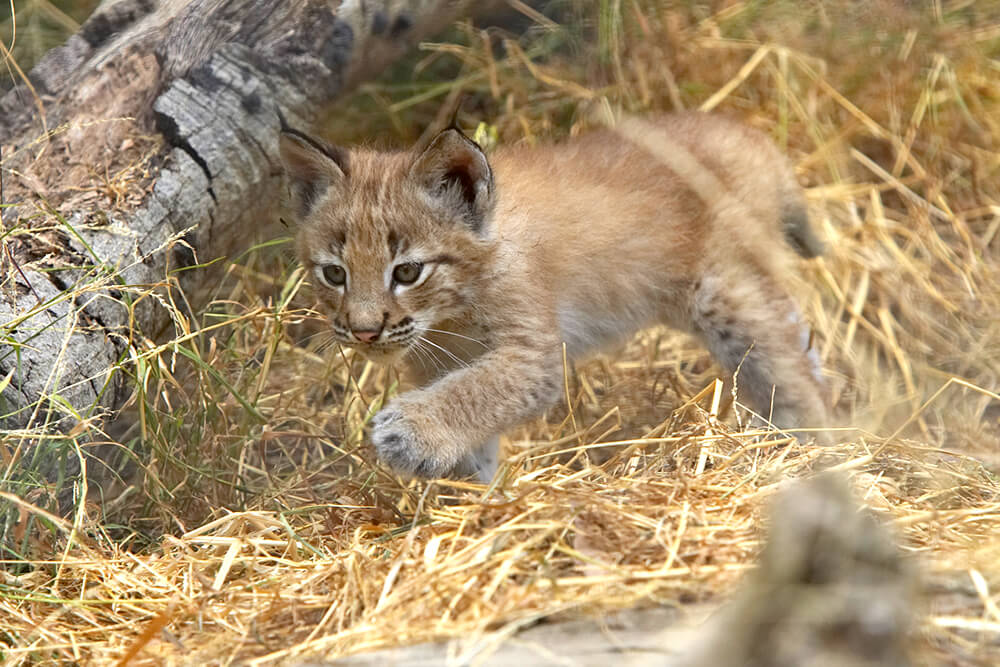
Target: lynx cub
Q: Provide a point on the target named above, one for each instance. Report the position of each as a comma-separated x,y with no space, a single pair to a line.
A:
475,272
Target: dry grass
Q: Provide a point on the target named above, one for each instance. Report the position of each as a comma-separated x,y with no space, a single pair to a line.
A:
262,528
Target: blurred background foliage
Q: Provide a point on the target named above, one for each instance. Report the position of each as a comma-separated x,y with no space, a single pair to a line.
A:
40,25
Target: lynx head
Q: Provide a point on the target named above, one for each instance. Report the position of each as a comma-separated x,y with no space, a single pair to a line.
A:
393,242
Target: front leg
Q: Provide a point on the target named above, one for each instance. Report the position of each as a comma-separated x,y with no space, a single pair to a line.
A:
442,429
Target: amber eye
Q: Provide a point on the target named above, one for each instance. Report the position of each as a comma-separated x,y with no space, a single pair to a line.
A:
407,274
334,275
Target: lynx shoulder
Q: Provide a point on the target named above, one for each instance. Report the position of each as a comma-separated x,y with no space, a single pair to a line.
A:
474,271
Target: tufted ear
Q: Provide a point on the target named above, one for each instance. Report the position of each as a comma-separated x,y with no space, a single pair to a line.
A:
454,170
312,168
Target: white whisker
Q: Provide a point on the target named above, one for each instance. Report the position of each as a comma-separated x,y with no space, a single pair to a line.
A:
458,335
319,342
326,345
418,348
460,362
308,338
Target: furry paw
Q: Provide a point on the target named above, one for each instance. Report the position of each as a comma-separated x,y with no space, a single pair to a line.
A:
400,445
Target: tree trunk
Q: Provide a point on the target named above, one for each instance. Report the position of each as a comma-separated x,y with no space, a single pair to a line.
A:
144,144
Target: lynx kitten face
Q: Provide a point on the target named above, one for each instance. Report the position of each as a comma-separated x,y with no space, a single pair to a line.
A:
390,242
475,272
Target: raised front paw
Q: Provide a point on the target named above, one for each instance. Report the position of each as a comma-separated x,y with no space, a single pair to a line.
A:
400,444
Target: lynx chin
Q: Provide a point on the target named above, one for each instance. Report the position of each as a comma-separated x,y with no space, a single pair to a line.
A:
474,272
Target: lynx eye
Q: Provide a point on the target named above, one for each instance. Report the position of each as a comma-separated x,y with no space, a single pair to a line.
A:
407,274
334,275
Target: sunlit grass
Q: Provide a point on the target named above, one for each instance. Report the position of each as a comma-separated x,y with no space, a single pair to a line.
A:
236,504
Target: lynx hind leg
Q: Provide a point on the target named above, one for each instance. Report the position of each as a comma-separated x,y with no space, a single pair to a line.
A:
754,330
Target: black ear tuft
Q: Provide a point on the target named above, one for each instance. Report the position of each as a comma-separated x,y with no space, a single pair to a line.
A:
312,167
454,170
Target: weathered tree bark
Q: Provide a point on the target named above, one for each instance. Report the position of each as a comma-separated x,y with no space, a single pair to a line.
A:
150,139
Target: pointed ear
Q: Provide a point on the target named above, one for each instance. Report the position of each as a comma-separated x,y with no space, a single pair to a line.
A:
312,168
454,171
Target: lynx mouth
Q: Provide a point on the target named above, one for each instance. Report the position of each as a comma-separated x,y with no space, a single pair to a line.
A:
381,353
